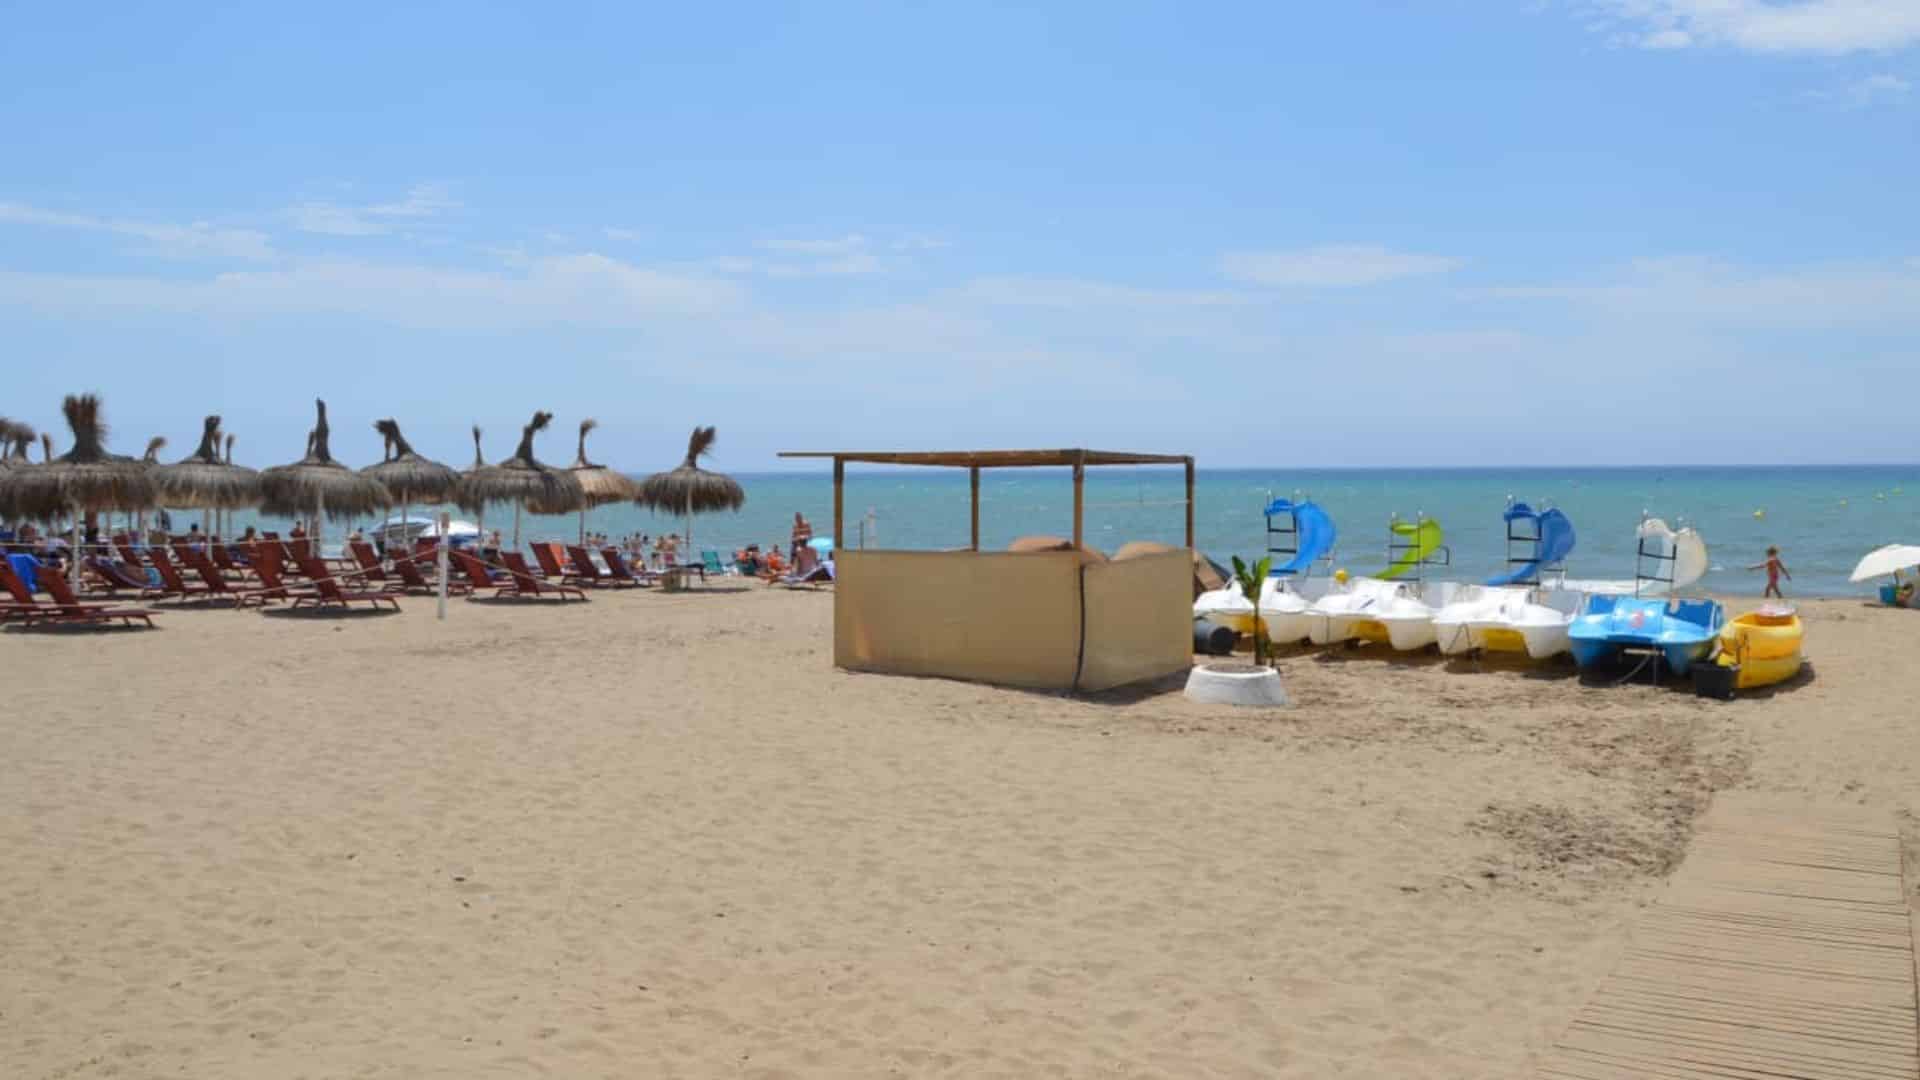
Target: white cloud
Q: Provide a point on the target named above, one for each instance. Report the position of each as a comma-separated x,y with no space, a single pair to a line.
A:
1332,266
840,256
333,219
583,289
1867,93
852,263
838,245
1770,26
1082,294
196,240
849,255
623,235
1707,292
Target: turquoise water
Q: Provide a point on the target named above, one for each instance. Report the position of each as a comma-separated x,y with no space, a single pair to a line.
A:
1823,518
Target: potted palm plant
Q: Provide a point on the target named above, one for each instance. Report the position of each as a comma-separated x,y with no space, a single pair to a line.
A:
1251,579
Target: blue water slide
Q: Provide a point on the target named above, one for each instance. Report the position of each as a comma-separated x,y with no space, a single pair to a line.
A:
1556,538
1555,543
1315,533
1525,571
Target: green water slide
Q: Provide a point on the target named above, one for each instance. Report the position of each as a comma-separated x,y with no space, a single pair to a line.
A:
1415,541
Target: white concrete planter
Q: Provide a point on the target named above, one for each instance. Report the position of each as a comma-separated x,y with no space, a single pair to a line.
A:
1236,684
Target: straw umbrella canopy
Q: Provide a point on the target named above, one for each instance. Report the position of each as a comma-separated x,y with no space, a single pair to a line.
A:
203,480
84,479
690,489
461,499
15,438
407,473
599,484
226,525
151,459
521,480
319,485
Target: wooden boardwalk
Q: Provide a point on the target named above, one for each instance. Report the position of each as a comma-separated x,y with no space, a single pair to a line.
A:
1781,949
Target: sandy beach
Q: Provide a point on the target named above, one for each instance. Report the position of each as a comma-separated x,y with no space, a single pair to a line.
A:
659,835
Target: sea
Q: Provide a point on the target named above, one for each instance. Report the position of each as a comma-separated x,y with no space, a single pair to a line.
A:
1822,518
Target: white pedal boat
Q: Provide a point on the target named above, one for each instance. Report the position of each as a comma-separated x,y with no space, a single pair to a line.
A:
1283,610
1509,619
1396,613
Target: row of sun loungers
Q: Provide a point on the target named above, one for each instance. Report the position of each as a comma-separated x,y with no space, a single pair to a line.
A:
273,571
20,605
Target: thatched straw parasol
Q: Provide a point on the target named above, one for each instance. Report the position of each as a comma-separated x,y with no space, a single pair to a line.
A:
225,517
151,459
85,478
521,480
409,475
15,438
11,432
203,481
319,485
690,489
460,498
598,483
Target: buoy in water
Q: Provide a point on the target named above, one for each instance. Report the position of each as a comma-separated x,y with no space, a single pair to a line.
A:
1340,576
1758,514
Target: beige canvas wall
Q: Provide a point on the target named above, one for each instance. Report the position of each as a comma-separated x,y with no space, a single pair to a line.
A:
1010,618
1139,619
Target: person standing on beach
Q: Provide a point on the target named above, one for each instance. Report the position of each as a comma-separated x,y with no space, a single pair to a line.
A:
1774,568
802,532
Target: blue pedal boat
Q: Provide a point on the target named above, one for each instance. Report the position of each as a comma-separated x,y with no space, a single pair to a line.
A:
1682,631
1679,631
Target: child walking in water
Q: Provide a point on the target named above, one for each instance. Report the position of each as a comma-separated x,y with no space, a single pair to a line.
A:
1774,568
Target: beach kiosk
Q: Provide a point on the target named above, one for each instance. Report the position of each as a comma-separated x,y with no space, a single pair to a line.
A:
1063,619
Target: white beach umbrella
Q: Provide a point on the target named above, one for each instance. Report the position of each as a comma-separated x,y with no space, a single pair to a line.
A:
1891,559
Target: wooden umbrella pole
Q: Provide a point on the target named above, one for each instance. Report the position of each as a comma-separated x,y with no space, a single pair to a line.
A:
518,505
73,553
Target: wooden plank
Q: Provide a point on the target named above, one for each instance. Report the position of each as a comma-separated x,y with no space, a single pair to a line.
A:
993,459
1079,503
1781,948
839,506
973,484
1189,504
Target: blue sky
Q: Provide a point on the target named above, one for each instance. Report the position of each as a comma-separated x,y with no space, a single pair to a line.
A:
1337,234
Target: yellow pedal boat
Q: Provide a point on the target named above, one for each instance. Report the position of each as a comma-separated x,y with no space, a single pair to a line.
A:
1765,644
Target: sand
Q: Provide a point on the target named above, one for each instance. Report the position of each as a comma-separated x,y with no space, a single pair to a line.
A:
661,836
